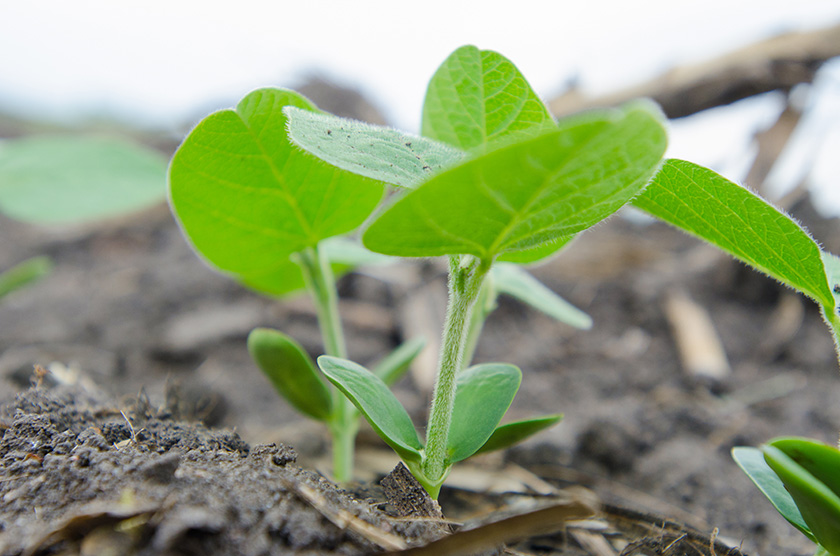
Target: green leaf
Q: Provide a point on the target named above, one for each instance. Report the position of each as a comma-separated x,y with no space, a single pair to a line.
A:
70,179
537,253
397,362
478,97
528,193
24,273
378,152
512,433
483,395
375,401
515,281
247,198
751,461
831,263
285,276
709,206
795,461
291,371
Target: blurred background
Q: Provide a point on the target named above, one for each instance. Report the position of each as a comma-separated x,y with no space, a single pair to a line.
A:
159,66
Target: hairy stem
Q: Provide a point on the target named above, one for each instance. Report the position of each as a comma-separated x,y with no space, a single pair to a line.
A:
484,305
321,284
464,286
833,321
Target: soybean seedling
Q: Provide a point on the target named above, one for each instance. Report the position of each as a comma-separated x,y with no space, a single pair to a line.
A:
798,475
500,179
72,179
271,216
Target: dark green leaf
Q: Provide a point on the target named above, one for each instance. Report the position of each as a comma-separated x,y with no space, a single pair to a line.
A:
478,97
751,461
397,362
247,198
707,205
483,395
24,273
818,504
512,433
67,179
515,281
376,402
377,152
528,193
291,371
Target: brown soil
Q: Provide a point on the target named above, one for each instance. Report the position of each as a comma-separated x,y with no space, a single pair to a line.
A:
140,326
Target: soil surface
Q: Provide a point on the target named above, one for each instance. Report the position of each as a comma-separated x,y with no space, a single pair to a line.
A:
154,431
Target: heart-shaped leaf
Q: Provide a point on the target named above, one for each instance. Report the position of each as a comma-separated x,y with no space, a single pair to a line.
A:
515,281
378,152
291,371
68,179
247,198
707,205
528,193
375,401
483,395
478,97
751,461
397,362
512,433
796,461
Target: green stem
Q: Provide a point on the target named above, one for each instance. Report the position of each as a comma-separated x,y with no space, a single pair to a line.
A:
484,305
833,320
321,284
464,286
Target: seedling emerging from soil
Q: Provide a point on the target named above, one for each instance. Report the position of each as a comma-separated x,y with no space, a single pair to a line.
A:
799,476
494,179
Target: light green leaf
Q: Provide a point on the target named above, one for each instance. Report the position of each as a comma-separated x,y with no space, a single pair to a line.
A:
68,179
291,371
831,263
528,193
537,253
375,401
397,362
247,198
751,461
285,277
515,281
709,206
478,97
810,470
483,395
512,433
378,152
24,273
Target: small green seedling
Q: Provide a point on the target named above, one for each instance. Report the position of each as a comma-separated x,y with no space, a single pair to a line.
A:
494,181
73,179
799,476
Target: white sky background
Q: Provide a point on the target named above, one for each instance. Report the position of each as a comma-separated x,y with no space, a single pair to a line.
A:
164,63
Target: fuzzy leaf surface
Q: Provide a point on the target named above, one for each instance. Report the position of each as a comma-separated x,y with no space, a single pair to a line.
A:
536,253
291,372
752,462
707,205
793,461
483,395
247,198
376,402
378,152
528,193
63,180
512,433
478,97
517,282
